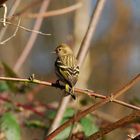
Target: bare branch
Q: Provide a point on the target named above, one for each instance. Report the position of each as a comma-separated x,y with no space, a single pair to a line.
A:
120,123
14,34
5,14
90,32
26,29
55,12
32,38
28,7
13,9
76,90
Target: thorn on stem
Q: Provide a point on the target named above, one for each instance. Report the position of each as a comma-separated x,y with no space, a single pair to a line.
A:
111,98
32,77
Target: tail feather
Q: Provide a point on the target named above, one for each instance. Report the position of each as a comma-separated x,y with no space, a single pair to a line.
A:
70,91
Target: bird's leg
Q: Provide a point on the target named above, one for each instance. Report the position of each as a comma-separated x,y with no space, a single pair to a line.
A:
57,82
58,85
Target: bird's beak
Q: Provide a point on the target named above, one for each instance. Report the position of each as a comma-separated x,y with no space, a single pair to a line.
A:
53,52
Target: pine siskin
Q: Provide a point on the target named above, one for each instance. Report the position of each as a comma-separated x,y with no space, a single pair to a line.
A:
66,68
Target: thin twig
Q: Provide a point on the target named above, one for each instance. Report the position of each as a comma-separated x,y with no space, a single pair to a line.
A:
94,107
14,34
35,81
76,90
98,95
5,14
90,31
26,29
120,123
54,12
28,7
13,9
32,38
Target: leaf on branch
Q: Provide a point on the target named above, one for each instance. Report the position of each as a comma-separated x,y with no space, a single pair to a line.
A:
68,114
65,133
3,87
88,125
35,124
135,101
14,87
9,127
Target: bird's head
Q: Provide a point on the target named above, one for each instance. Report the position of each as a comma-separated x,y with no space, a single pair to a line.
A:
63,50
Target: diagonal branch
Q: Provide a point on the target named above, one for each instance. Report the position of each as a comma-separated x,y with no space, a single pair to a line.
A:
31,5
24,28
14,34
54,12
85,45
120,123
32,38
94,107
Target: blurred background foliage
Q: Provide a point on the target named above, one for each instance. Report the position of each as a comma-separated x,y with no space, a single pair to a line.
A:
113,58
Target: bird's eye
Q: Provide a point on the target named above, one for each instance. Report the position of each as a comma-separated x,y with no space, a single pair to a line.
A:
59,49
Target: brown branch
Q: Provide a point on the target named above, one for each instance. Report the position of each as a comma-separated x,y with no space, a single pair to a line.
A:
26,80
54,12
24,28
76,90
28,7
98,95
32,38
88,92
122,122
94,107
90,31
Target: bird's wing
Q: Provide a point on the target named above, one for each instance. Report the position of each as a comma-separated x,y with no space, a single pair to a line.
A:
68,73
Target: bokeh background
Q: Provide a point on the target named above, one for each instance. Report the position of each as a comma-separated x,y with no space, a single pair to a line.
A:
113,58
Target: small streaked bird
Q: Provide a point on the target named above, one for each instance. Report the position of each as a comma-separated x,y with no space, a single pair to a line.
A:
66,68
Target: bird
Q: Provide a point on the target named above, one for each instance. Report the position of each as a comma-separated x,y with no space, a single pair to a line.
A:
66,68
